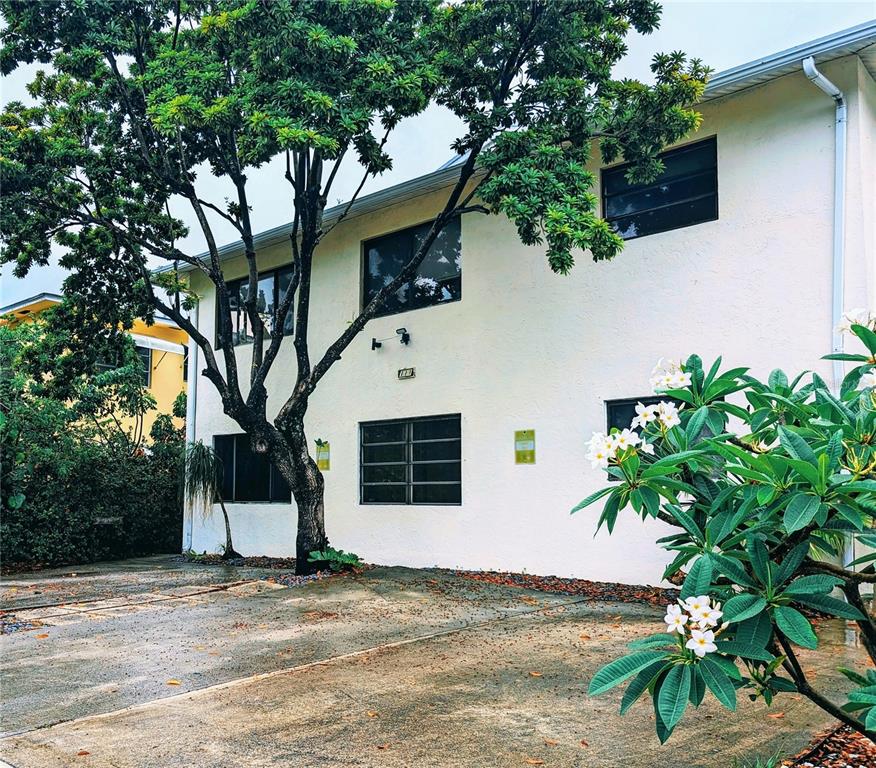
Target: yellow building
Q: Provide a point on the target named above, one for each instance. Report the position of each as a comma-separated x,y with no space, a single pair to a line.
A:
162,346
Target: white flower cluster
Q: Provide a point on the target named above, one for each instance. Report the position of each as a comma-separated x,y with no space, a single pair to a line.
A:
696,617
868,380
857,316
603,447
664,412
667,374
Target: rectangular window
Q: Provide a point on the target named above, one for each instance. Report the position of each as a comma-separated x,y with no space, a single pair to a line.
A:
685,193
439,276
186,364
246,475
146,358
270,289
411,461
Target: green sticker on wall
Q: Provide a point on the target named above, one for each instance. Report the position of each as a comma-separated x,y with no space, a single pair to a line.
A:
323,456
524,446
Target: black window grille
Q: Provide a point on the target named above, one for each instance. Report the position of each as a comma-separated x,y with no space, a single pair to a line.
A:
411,461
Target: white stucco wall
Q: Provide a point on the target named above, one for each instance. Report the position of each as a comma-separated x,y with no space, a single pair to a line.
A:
527,349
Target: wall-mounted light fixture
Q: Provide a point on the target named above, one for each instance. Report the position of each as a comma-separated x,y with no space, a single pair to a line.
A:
402,333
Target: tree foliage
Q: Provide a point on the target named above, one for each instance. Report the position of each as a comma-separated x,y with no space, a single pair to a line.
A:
763,496
77,481
143,97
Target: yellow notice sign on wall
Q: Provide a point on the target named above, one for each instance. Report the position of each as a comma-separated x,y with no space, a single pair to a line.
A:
323,456
524,446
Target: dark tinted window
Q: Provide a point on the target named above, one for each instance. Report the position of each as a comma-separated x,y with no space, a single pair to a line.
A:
146,360
411,461
438,279
685,193
270,290
246,475
620,413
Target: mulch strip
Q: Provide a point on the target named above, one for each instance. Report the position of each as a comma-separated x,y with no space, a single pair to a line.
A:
605,591
839,747
260,561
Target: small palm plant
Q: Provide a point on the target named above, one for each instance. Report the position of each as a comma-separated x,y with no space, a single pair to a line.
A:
203,473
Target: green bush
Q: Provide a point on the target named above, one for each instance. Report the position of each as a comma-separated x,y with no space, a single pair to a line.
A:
74,487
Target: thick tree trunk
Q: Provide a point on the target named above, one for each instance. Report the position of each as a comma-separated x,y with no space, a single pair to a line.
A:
308,487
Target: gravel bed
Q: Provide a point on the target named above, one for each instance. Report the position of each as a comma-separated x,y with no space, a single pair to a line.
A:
840,747
9,623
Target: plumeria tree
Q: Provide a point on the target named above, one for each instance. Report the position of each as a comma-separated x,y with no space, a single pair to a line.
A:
143,98
764,484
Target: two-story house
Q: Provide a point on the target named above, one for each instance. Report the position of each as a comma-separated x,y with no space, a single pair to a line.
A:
466,446
162,347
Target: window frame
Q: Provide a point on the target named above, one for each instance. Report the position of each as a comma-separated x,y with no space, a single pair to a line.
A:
409,461
230,284
363,270
236,438
613,169
147,359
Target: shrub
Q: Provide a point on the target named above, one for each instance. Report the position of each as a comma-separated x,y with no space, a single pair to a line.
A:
762,497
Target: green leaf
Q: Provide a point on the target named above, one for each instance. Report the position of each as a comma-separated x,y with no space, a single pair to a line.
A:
801,511
796,446
617,671
734,571
696,423
595,496
794,625
791,563
756,631
698,579
743,650
641,683
652,641
760,562
816,584
831,605
718,683
673,697
742,607
867,336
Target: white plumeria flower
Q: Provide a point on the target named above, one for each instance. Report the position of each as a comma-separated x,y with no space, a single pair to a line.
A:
701,642
856,316
868,380
645,414
710,616
667,413
667,374
646,448
675,619
601,450
696,606
626,439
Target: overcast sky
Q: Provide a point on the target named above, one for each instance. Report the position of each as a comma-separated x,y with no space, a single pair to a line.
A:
723,34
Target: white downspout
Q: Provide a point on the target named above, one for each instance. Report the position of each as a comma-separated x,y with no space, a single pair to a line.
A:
839,206
191,410
839,231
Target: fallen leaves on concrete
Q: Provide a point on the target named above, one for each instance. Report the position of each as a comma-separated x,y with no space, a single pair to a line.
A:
595,590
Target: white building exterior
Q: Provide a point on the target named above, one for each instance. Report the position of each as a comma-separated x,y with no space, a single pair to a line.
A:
527,349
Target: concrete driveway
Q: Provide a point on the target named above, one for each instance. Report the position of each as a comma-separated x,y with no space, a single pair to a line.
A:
160,663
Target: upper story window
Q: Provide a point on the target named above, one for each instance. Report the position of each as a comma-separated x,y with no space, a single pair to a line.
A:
246,475
270,290
685,193
438,279
411,461
145,355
